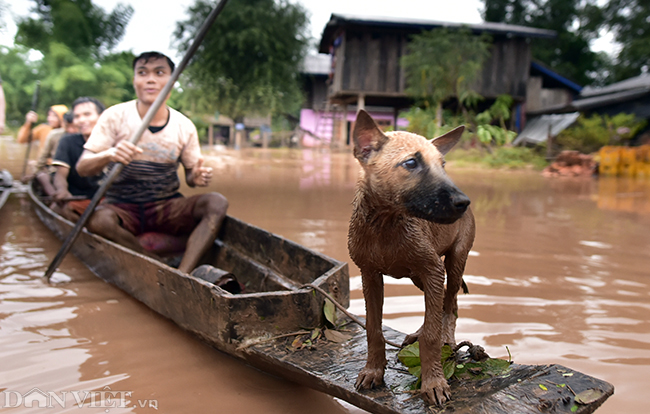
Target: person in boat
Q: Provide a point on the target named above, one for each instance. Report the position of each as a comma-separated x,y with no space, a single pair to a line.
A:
67,182
39,133
144,197
44,169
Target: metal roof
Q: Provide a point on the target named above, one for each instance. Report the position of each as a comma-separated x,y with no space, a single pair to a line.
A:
338,20
537,129
637,82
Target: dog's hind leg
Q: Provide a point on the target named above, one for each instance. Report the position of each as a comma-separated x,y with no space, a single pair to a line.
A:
372,374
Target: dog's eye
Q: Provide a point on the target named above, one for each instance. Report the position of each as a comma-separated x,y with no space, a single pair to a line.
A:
444,163
410,164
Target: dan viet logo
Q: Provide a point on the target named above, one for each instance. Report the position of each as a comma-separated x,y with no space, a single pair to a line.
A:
106,399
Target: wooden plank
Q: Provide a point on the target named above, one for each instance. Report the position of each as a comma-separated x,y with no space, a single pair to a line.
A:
333,367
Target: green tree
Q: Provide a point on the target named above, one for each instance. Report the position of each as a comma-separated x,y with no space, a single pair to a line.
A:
577,23
64,76
442,64
83,27
249,61
19,76
628,20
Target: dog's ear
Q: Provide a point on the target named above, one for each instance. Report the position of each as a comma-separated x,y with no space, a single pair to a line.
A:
367,136
444,143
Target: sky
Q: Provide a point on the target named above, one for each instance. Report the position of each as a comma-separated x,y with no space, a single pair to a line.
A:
153,21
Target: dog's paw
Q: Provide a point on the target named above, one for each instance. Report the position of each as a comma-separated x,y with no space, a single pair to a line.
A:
369,378
435,391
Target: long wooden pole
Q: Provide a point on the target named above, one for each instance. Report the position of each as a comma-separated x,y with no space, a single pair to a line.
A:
29,139
117,168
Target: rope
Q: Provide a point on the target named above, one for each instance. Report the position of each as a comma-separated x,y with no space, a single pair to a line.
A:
345,311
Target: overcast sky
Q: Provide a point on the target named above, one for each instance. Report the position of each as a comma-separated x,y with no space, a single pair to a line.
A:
153,21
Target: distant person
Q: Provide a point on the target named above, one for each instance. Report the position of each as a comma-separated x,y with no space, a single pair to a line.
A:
144,197
67,182
3,108
39,133
44,170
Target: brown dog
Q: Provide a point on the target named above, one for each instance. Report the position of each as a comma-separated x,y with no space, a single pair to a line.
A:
407,213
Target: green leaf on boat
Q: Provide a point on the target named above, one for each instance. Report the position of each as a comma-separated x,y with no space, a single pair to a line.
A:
448,368
574,408
330,312
588,396
410,355
491,367
315,333
446,352
416,371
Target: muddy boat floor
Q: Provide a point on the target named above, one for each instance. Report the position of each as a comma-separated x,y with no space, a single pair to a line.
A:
332,368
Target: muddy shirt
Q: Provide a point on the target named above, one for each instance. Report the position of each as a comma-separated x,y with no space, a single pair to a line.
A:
152,175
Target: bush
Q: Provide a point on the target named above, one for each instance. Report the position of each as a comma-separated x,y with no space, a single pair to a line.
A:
589,134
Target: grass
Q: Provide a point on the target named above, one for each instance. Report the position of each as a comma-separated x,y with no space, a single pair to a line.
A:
500,157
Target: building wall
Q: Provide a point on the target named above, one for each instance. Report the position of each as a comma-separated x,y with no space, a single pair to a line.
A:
539,98
369,62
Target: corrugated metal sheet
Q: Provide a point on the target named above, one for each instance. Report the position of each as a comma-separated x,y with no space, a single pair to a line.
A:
537,129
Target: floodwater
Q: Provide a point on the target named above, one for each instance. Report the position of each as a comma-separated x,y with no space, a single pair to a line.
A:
559,273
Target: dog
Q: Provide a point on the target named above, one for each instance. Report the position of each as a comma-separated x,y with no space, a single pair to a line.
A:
407,214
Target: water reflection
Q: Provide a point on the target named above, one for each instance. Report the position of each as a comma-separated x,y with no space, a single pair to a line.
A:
558,274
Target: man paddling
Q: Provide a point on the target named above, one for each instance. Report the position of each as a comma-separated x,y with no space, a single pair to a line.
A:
144,197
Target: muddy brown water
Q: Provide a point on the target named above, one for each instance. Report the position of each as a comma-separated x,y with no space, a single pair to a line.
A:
559,273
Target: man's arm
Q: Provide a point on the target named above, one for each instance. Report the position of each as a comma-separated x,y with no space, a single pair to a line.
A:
61,182
25,131
91,163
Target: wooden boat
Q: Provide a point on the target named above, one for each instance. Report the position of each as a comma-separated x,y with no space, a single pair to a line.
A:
261,325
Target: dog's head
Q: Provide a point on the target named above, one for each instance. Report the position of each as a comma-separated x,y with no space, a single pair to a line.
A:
407,170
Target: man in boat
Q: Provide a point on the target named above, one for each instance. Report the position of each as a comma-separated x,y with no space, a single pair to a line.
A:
44,169
54,119
67,182
144,197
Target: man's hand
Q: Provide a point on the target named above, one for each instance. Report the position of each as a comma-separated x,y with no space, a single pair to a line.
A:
201,175
31,117
62,194
124,152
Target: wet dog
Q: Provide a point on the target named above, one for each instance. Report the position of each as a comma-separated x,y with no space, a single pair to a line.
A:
408,214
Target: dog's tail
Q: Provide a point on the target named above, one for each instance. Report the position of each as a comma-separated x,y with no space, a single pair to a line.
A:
465,288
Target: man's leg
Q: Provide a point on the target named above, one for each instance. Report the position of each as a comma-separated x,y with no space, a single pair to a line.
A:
210,209
106,223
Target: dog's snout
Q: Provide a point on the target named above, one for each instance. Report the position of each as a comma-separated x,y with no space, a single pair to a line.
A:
460,202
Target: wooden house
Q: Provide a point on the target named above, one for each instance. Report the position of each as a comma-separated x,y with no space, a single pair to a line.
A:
364,67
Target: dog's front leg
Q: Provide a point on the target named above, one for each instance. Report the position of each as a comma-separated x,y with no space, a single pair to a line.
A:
372,374
435,389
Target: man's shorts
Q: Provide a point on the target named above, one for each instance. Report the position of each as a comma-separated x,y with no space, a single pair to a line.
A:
172,216
78,206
